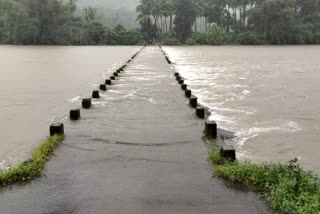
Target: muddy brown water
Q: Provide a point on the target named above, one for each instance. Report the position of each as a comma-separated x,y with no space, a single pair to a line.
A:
38,86
268,95
139,149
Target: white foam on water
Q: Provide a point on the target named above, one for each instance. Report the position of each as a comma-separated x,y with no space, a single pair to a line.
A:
246,92
295,126
142,78
131,95
230,99
4,165
219,117
75,99
201,102
99,103
151,100
115,91
240,140
245,134
247,112
106,97
243,155
65,118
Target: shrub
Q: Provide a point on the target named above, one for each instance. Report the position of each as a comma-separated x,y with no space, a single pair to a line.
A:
33,167
169,40
287,186
215,35
130,37
251,38
231,38
198,39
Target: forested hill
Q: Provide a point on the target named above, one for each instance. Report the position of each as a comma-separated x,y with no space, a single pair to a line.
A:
65,22
169,22
112,4
113,12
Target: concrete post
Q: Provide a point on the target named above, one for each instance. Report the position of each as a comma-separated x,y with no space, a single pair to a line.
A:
103,87
228,152
74,114
211,129
56,129
193,100
184,87
108,82
200,111
86,103
96,94
188,93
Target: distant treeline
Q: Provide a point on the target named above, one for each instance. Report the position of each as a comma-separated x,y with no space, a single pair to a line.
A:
114,12
231,21
57,22
170,22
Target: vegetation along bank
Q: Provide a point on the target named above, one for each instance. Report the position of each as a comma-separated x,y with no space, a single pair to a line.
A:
287,187
169,22
33,167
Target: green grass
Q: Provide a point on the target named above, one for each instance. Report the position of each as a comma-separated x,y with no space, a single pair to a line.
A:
287,187
34,167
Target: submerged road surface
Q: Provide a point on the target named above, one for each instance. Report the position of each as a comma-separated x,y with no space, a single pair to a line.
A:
138,150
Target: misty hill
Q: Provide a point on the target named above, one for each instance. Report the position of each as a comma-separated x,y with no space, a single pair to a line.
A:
111,4
114,12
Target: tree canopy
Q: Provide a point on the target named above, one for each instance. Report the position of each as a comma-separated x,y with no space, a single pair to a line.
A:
241,21
213,22
56,22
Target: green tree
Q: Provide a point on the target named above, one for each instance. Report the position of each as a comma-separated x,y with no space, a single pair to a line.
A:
95,33
145,11
186,13
215,35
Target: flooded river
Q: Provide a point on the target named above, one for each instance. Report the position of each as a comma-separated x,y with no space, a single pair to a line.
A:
139,149
269,96
38,85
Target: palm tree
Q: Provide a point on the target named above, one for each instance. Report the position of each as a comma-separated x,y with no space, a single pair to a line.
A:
165,12
170,12
144,11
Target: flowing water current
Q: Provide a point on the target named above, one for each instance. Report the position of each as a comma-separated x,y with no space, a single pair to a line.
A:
38,86
269,96
138,149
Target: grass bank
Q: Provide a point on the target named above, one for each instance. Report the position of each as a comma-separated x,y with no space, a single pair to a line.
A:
34,167
287,187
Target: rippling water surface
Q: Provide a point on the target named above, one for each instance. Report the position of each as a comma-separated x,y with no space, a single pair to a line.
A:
38,85
139,149
269,96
